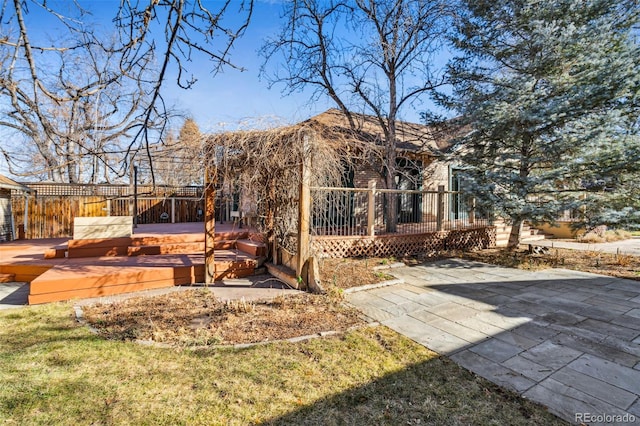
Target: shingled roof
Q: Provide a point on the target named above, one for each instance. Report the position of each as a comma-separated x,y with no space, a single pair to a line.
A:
411,137
6,183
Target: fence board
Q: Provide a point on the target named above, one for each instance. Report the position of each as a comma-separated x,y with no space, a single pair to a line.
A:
52,216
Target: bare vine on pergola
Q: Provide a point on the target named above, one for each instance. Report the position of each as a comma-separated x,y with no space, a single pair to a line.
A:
265,166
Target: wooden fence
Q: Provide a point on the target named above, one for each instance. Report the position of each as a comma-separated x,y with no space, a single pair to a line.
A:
52,216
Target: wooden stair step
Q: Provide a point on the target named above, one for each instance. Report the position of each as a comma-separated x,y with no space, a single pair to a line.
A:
174,248
231,235
7,278
101,247
254,248
224,244
24,272
233,263
166,239
57,252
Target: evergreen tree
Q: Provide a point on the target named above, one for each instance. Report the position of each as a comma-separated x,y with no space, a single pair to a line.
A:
549,91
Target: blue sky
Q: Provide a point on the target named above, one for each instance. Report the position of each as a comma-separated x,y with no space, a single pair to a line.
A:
230,96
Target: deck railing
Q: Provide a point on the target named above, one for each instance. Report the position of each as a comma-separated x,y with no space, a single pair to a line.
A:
365,212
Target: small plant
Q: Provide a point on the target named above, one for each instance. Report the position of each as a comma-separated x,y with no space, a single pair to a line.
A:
239,306
592,254
335,293
382,275
623,260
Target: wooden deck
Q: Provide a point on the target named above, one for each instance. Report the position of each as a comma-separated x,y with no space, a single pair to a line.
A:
155,256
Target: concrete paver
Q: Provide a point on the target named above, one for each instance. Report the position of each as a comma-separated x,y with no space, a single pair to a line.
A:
13,295
569,340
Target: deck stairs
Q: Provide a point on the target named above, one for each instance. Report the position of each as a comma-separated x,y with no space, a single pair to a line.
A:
528,234
102,267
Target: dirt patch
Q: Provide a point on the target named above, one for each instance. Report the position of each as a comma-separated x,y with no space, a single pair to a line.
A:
348,273
196,317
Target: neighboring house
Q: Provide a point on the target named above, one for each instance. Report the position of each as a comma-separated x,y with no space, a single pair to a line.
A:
7,227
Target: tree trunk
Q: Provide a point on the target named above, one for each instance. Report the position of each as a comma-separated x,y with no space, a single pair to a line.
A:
514,236
392,198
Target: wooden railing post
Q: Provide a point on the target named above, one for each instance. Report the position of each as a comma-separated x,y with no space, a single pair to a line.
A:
371,209
209,224
304,209
26,216
173,210
440,215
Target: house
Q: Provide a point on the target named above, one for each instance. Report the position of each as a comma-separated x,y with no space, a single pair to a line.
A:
418,148
419,162
7,226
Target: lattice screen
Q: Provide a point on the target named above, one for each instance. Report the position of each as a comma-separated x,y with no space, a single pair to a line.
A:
403,245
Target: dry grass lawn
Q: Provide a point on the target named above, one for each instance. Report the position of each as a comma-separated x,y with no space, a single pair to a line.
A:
55,371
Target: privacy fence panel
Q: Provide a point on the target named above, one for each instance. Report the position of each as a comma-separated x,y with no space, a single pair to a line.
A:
51,211
52,217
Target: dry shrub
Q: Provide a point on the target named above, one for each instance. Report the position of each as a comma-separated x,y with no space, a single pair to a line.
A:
599,236
623,260
239,306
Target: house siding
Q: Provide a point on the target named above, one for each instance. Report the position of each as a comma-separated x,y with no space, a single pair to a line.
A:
6,227
364,175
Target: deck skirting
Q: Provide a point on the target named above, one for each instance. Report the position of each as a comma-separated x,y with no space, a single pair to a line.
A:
399,245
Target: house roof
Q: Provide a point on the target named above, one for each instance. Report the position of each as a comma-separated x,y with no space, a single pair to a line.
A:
6,183
411,137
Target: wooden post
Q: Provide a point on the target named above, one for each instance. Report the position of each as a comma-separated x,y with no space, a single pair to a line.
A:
440,216
209,223
371,209
131,210
108,206
135,196
304,208
26,214
173,210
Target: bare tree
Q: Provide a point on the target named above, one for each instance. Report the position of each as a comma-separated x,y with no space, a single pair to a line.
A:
179,160
370,56
76,113
169,32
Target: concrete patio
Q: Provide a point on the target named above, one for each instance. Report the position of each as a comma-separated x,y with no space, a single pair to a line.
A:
567,339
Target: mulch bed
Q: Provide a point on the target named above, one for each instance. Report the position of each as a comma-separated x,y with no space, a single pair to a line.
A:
348,273
196,318
597,262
